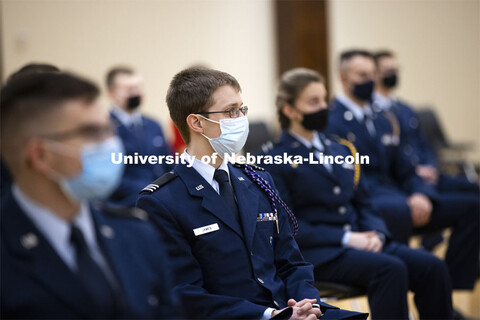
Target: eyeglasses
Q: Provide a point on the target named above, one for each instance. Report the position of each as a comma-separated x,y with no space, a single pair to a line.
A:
91,132
233,112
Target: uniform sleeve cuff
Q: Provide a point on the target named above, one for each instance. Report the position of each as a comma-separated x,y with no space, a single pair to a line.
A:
382,237
267,314
346,238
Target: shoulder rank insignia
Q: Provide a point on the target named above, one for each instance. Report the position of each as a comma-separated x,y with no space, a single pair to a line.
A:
157,184
121,212
242,166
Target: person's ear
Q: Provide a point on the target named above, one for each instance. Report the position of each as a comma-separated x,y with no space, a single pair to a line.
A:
343,78
36,155
194,123
111,92
289,111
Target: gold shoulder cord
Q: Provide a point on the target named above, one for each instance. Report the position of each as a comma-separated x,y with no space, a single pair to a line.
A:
353,150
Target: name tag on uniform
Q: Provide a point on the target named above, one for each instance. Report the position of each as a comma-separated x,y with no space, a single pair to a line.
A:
206,229
266,217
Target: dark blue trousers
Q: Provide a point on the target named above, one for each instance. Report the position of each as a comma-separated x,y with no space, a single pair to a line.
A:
387,277
457,210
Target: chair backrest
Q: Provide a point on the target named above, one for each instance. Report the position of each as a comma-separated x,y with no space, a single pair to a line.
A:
259,139
432,128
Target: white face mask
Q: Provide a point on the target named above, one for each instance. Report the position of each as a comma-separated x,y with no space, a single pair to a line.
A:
234,133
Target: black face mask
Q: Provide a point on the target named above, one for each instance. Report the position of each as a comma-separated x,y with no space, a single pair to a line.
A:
133,102
390,81
364,91
315,121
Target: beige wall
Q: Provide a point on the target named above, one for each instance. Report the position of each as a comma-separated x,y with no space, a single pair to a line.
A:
438,46
158,37
437,43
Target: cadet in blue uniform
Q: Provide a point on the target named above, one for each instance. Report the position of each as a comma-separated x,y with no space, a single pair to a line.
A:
140,135
405,201
412,139
5,179
61,256
338,230
413,142
232,247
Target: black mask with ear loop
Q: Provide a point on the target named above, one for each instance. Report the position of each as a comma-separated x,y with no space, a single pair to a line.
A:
364,91
315,121
390,81
133,102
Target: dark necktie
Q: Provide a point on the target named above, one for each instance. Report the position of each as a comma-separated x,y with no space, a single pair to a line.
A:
138,129
368,121
323,153
226,191
92,278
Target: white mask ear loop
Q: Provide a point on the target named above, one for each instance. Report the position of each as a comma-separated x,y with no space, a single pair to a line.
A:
208,119
218,122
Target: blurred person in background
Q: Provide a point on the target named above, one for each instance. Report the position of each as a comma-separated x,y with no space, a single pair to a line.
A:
140,134
5,177
412,139
405,200
339,232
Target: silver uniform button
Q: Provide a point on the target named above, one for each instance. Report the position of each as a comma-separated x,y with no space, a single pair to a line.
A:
348,115
260,280
337,190
152,300
347,227
351,137
386,139
29,241
342,210
107,232
413,123
157,141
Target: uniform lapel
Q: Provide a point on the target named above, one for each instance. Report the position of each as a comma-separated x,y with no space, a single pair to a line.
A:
297,148
45,266
113,250
333,175
365,143
247,201
211,200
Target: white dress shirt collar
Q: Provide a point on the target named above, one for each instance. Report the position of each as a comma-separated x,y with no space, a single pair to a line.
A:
316,142
127,119
55,229
357,111
206,170
382,101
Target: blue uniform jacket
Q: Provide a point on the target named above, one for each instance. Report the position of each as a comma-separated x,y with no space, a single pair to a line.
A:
413,140
388,164
36,283
238,270
148,139
5,179
326,204
416,148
